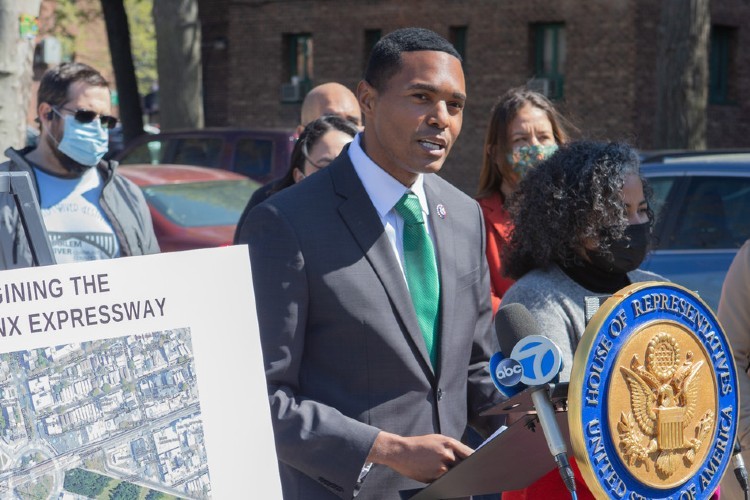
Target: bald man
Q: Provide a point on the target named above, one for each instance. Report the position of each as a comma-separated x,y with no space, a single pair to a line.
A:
330,99
325,99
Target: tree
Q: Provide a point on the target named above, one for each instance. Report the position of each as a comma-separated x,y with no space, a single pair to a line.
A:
143,42
118,33
124,491
178,59
682,74
85,483
16,56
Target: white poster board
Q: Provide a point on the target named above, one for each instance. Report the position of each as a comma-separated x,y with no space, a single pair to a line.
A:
143,371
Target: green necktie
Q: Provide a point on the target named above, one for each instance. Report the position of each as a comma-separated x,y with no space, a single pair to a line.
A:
421,271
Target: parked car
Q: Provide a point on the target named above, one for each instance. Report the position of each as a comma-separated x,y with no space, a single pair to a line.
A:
117,139
702,204
192,207
262,155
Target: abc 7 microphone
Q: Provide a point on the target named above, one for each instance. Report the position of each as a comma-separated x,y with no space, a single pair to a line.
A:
534,362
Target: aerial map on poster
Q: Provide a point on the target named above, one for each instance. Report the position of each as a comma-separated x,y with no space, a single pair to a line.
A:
134,378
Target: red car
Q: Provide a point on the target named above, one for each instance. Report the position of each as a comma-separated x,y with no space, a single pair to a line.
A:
191,207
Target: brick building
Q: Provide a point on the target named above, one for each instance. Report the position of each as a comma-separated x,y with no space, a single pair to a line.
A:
597,59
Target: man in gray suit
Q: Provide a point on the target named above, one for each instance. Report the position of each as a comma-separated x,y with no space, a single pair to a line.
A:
370,385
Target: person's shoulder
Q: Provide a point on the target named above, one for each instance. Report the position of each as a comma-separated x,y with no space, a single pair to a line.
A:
491,203
15,157
126,189
445,189
640,275
109,172
495,212
534,284
543,275
442,195
743,253
313,195
266,190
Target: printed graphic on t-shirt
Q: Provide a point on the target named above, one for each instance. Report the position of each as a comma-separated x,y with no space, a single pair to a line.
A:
76,225
76,247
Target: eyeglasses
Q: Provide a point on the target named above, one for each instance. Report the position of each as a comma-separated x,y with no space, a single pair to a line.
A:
87,116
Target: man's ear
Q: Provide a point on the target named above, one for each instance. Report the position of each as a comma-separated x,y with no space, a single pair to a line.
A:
367,96
44,113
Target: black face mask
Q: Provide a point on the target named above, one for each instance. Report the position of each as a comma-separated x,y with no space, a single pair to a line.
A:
628,252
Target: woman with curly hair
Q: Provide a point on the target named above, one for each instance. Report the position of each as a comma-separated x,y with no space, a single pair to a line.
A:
525,128
582,226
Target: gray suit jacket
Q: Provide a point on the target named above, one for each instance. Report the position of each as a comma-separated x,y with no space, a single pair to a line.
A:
344,355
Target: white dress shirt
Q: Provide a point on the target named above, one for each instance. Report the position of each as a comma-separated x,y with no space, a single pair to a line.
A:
384,192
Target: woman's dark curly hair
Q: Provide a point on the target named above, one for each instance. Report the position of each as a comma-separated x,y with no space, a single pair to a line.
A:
572,198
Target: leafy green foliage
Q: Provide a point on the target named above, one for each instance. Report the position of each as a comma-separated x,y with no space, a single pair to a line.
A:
155,495
71,16
142,42
85,483
125,491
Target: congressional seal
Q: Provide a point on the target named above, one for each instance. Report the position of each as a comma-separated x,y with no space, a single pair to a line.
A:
653,396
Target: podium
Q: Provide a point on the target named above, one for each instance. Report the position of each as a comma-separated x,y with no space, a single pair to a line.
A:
509,460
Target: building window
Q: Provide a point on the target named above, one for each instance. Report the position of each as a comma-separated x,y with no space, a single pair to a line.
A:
457,36
371,38
299,67
549,59
721,64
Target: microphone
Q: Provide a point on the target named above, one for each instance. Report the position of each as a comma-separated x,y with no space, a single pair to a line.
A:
541,362
739,467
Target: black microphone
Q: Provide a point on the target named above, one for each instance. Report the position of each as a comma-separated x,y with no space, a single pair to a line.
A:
739,467
515,327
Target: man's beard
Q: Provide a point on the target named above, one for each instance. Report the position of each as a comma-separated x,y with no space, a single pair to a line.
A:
68,163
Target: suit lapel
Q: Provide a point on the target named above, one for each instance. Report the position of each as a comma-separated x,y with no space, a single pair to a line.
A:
360,216
442,227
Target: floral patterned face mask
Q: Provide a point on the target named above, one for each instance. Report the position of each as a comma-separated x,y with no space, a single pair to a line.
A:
526,157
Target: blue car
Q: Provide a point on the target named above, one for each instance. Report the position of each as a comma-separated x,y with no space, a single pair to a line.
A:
702,206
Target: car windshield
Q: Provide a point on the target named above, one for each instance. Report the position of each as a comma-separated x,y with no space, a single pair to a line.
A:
216,203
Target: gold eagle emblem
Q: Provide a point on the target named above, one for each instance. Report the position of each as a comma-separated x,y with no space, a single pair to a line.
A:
663,401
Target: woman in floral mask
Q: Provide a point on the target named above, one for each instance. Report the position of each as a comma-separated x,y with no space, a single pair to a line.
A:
525,129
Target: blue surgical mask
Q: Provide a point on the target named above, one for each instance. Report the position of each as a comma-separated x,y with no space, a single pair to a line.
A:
526,157
85,143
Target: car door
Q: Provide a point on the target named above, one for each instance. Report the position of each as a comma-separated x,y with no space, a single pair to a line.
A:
702,220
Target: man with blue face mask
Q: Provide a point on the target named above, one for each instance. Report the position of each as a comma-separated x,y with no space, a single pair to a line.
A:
90,212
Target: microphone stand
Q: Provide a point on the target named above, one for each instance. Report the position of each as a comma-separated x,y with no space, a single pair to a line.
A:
739,469
546,413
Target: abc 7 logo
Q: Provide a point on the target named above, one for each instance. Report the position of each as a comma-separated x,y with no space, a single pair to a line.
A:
540,358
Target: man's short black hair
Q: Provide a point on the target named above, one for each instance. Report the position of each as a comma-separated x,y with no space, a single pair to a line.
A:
385,58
